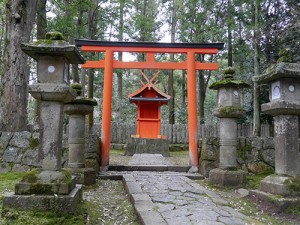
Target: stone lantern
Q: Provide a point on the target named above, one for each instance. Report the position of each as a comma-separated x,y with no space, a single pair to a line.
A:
77,109
228,110
284,85
38,189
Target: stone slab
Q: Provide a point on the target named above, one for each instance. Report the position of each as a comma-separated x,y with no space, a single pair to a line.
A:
133,188
223,177
275,184
156,168
151,218
283,203
60,203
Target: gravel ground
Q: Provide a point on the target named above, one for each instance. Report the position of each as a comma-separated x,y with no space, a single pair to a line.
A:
108,204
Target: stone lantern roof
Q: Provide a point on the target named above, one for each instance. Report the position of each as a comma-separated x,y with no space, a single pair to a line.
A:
279,70
53,45
228,81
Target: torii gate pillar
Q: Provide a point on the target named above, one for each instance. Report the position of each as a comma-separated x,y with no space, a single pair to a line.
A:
192,110
106,110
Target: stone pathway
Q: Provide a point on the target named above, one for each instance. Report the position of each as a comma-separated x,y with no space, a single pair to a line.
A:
169,197
177,200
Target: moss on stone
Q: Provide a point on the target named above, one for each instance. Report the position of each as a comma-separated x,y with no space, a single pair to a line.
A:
54,36
77,88
293,184
230,110
228,82
3,165
87,101
244,151
38,188
33,142
31,176
229,70
67,176
47,42
11,165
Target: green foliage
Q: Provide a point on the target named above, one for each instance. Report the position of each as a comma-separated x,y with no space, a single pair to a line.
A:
294,210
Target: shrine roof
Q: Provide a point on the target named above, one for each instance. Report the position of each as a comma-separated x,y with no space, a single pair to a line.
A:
85,42
134,96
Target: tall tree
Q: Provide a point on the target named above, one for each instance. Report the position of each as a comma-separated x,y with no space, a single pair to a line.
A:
120,58
171,74
20,15
229,31
41,19
256,117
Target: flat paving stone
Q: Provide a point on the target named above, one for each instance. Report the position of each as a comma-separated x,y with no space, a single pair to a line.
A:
177,200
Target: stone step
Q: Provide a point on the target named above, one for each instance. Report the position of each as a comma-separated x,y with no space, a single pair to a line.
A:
157,168
118,175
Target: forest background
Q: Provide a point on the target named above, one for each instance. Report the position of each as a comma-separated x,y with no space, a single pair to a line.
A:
253,33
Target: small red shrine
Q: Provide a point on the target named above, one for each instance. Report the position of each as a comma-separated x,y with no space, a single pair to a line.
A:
148,100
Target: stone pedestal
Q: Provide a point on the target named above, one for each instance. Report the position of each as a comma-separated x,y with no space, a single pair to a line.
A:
229,110
225,177
50,187
284,81
286,145
77,109
145,145
228,143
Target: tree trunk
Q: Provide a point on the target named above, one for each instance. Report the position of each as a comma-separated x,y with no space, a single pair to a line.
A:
229,21
202,91
171,74
91,95
41,26
256,119
13,90
183,91
120,58
92,29
41,20
83,81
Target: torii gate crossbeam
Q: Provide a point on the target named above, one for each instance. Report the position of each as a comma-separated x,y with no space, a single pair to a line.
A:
149,48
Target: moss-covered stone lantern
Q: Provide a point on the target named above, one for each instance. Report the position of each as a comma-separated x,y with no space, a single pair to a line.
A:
38,190
77,109
283,79
228,110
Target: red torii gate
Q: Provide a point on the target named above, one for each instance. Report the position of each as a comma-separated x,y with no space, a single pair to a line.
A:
150,48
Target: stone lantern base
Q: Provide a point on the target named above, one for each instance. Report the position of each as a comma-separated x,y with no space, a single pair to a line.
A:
223,177
45,190
86,176
61,203
278,185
